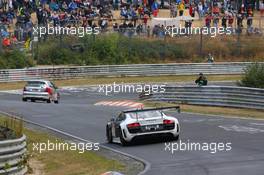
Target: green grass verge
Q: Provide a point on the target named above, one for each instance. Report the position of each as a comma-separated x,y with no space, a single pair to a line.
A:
224,111
107,80
64,162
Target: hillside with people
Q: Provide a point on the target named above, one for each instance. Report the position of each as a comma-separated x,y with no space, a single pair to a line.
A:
127,33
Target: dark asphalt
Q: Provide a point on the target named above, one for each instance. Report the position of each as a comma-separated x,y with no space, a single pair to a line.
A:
77,115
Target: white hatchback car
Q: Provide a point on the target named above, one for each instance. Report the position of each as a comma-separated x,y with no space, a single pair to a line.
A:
42,90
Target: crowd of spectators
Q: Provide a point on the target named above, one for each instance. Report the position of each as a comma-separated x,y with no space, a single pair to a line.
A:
222,13
19,16
16,15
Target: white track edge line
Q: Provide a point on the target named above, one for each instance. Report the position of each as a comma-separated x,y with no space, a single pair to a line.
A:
146,163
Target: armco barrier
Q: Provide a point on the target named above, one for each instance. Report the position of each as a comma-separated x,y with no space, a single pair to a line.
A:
9,75
12,155
226,96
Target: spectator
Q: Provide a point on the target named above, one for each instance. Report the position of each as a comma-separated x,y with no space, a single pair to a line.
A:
192,11
115,4
13,39
210,58
64,6
124,13
140,12
216,21
201,80
249,17
173,11
200,10
249,21
145,20
208,20
53,6
239,20
215,10
230,20
72,6
261,7
155,9
181,8
148,31
224,20
6,42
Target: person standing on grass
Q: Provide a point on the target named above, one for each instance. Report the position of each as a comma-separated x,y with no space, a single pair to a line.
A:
173,11
145,20
155,8
148,31
181,8
249,21
208,20
230,20
192,10
224,19
261,8
216,21
162,4
6,42
140,12
210,58
200,10
239,21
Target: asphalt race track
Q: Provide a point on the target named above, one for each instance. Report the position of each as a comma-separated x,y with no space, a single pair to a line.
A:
77,115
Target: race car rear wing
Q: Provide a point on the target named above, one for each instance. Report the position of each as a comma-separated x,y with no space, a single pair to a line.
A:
155,109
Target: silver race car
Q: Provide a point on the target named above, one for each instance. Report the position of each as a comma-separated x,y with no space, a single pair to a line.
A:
40,90
133,124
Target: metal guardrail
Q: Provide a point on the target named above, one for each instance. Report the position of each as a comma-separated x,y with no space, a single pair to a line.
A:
9,75
225,96
12,155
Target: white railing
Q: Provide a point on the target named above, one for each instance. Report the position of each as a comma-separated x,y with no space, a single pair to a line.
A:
12,155
10,75
225,96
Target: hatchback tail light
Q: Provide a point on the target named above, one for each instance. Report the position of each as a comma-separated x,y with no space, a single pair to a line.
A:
49,90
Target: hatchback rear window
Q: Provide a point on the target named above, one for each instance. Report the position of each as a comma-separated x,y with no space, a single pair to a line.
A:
35,84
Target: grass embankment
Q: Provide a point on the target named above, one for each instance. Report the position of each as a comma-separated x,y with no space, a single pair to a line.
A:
64,162
109,80
115,49
224,111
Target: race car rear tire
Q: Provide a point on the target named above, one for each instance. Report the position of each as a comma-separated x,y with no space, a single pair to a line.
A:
109,135
24,99
32,100
48,101
122,140
56,101
176,137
